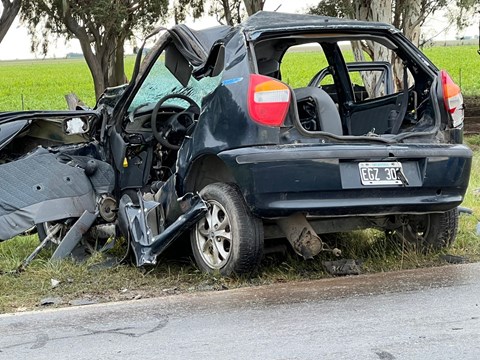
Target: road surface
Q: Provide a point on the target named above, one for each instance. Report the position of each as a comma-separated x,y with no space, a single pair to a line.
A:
420,314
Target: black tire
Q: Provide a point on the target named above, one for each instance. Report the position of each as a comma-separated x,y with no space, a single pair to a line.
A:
430,232
236,246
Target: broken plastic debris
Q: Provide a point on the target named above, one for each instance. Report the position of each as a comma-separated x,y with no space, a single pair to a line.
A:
454,259
343,267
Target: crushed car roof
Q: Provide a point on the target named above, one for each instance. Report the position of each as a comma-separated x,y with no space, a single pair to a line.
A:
271,22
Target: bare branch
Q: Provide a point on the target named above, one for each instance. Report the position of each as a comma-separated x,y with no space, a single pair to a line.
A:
10,11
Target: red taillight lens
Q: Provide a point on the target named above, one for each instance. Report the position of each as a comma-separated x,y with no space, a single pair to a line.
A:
268,100
453,99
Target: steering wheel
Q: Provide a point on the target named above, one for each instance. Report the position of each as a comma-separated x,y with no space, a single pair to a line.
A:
177,125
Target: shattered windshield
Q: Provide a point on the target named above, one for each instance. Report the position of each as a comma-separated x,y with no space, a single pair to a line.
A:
161,82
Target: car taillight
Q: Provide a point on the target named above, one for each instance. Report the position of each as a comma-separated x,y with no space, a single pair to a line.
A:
268,100
453,99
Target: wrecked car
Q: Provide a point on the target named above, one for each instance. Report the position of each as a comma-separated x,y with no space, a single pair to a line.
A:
210,138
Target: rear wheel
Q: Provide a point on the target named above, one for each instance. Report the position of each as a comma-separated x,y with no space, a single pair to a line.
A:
229,239
429,232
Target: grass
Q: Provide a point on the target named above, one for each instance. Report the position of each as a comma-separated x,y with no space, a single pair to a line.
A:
42,84
461,62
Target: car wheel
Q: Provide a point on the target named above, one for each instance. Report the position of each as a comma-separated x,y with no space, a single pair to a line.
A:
57,229
429,232
229,239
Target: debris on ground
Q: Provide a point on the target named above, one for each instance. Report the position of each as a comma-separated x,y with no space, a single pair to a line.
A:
54,283
51,301
343,267
464,210
81,302
454,259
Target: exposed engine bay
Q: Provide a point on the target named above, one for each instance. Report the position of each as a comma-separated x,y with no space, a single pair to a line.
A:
65,184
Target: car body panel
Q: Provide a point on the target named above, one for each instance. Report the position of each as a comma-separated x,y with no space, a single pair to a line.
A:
437,179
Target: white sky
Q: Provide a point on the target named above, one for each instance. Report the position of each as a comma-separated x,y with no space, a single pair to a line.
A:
16,44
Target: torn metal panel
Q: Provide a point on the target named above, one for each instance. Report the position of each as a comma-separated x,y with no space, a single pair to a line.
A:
133,220
274,22
74,235
40,188
10,130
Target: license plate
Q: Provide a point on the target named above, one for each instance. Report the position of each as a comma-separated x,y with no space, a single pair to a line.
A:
380,173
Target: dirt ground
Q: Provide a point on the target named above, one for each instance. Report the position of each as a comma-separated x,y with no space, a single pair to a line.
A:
472,115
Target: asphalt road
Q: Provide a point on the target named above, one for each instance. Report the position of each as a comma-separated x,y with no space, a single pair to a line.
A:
421,314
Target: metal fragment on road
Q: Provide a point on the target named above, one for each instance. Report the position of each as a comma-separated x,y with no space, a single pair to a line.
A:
51,301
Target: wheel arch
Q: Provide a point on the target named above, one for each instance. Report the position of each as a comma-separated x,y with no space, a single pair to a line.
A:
206,170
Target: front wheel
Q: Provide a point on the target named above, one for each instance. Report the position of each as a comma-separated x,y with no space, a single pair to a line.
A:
56,229
229,239
430,231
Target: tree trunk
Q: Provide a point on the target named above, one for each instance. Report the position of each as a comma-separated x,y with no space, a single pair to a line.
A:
412,19
116,67
227,13
253,6
10,11
372,10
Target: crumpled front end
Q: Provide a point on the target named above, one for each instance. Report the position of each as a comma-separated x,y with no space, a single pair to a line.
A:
41,187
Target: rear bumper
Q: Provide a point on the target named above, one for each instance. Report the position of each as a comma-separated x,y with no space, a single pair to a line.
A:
324,180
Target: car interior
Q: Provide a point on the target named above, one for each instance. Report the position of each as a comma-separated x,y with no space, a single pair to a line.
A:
345,97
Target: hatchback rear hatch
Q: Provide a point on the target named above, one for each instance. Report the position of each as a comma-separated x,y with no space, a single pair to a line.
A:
353,81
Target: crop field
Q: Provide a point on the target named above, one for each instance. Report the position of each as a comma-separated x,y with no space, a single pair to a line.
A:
41,84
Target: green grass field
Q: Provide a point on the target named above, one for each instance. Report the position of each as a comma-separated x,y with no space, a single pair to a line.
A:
41,84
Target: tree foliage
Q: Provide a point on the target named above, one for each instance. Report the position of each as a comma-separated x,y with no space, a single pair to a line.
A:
406,15
101,26
227,12
10,10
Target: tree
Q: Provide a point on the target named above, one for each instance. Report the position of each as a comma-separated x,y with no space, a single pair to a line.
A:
227,12
10,9
101,26
406,15
254,6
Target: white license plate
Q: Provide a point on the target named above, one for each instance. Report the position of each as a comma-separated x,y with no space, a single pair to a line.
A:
380,173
